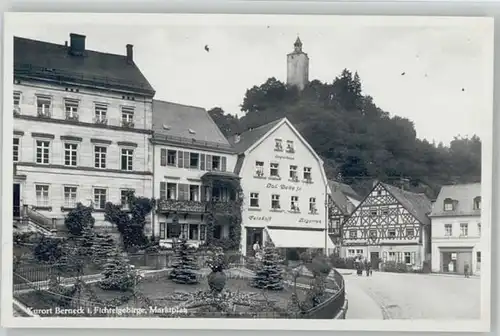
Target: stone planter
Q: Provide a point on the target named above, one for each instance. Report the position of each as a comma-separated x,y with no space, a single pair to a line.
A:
217,281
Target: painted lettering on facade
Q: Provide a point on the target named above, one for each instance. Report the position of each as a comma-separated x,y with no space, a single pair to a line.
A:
310,221
283,187
259,218
286,157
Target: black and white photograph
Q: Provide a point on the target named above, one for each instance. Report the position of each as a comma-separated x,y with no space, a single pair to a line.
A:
174,170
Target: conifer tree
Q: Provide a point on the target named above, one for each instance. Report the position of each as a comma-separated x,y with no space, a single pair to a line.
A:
184,269
118,274
269,274
103,244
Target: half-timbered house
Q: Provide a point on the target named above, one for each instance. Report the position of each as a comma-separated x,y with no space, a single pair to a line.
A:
340,206
390,224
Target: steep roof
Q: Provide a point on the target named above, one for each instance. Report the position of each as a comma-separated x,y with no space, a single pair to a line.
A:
463,195
416,204
186,124
44,60
340,198
346,189
248,138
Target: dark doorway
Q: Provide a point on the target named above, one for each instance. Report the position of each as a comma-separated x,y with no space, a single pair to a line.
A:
17,200
374,259
253,235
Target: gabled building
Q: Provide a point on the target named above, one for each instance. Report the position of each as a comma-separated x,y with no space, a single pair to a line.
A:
390,224
456,229
353,197
284,188
193,174
340,207
82,122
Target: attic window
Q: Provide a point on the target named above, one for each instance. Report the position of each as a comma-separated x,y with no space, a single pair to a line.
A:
448,205
192,131
477,203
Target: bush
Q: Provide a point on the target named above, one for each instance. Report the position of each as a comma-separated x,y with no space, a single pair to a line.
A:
48,250
78,219
320,266
346,263
394,267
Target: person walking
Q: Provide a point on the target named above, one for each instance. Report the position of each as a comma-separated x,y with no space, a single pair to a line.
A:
367,267
466,270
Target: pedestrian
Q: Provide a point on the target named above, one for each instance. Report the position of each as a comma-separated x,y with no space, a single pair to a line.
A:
367,267
256,248
466,270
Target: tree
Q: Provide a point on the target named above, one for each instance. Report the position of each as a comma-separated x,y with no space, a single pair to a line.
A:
79,218
48,250
184,269
130,221
227,123
269,274
103,244
118,274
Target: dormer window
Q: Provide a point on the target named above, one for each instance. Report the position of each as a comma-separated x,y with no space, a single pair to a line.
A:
278,145
477,203
449,205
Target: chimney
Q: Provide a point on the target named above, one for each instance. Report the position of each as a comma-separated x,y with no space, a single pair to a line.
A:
237,138
130,53
77,44
65,43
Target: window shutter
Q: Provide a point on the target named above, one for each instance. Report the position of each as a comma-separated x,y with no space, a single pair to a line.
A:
163,190
180,159
384,256
163,157
187,160
209,162
202,161
223,163
412,260
183,192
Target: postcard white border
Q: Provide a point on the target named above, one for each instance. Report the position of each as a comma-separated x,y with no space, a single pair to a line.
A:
480,325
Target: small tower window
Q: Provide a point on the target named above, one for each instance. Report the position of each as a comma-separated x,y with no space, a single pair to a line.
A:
449,205
477,203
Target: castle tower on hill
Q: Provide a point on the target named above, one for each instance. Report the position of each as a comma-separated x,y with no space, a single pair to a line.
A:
297,66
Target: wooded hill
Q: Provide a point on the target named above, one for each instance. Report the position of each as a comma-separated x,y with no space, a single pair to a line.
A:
358,141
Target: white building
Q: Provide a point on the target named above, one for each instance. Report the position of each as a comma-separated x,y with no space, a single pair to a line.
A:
284,187
193,174
456,229
80,131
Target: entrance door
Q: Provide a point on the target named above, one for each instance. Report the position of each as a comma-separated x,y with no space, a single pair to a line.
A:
374,259
17,200
253,235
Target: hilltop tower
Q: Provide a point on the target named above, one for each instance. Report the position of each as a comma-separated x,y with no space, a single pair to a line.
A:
297,66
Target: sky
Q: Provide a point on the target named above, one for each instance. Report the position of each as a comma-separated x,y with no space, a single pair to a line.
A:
445,89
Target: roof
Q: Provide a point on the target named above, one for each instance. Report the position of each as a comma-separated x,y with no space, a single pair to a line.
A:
416,204
340,199
39,59
463,195
186,124
251,136
345,188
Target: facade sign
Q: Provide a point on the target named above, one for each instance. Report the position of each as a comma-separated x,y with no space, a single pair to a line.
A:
286,157
283,187
310,221
260,218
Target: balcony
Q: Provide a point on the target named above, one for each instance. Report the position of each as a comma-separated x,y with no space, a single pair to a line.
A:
224,208
181,206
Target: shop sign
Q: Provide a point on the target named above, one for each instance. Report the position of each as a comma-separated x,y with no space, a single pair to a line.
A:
283,187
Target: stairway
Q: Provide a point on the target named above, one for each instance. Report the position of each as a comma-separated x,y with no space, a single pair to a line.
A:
32,220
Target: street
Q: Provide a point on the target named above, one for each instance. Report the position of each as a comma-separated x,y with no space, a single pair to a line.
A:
412,296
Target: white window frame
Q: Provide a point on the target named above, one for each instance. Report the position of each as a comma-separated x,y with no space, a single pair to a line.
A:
464,229
274,166
312,205
448,205
99,166
71,107
197,194
359,251
290,148
389,233
278,145
71,150
125,204
353,234
254,196
275,202
129,156
294,203
351,252
259,168
44,199
175,189
96,203
170,151
16,149
293,173
48,148
213,162
70,190
407,230
307,173
448,230
391,256
127,116
101,113
44,109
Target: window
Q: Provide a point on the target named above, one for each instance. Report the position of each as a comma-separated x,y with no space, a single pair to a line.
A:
353,234
373,234
15,149
293,173
17,101
275,202
127,116
448,231
193,231
274,172
194,193
184,231
100,198
127,157
307,174
71,108
392,233
448,204
464,229
163,157
124,197
254,200
359,251
173,230
392,256
70,197
312,205
410,233
42,151
478,256
194,160
42,195
294,203
100,157
477,203
43,106
203,232
162,230
101,113
278,145
171,157
289,147
479,229
171,191
373,212
70,154
385,211
351,252
183,192
407,258
216,163
259,168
